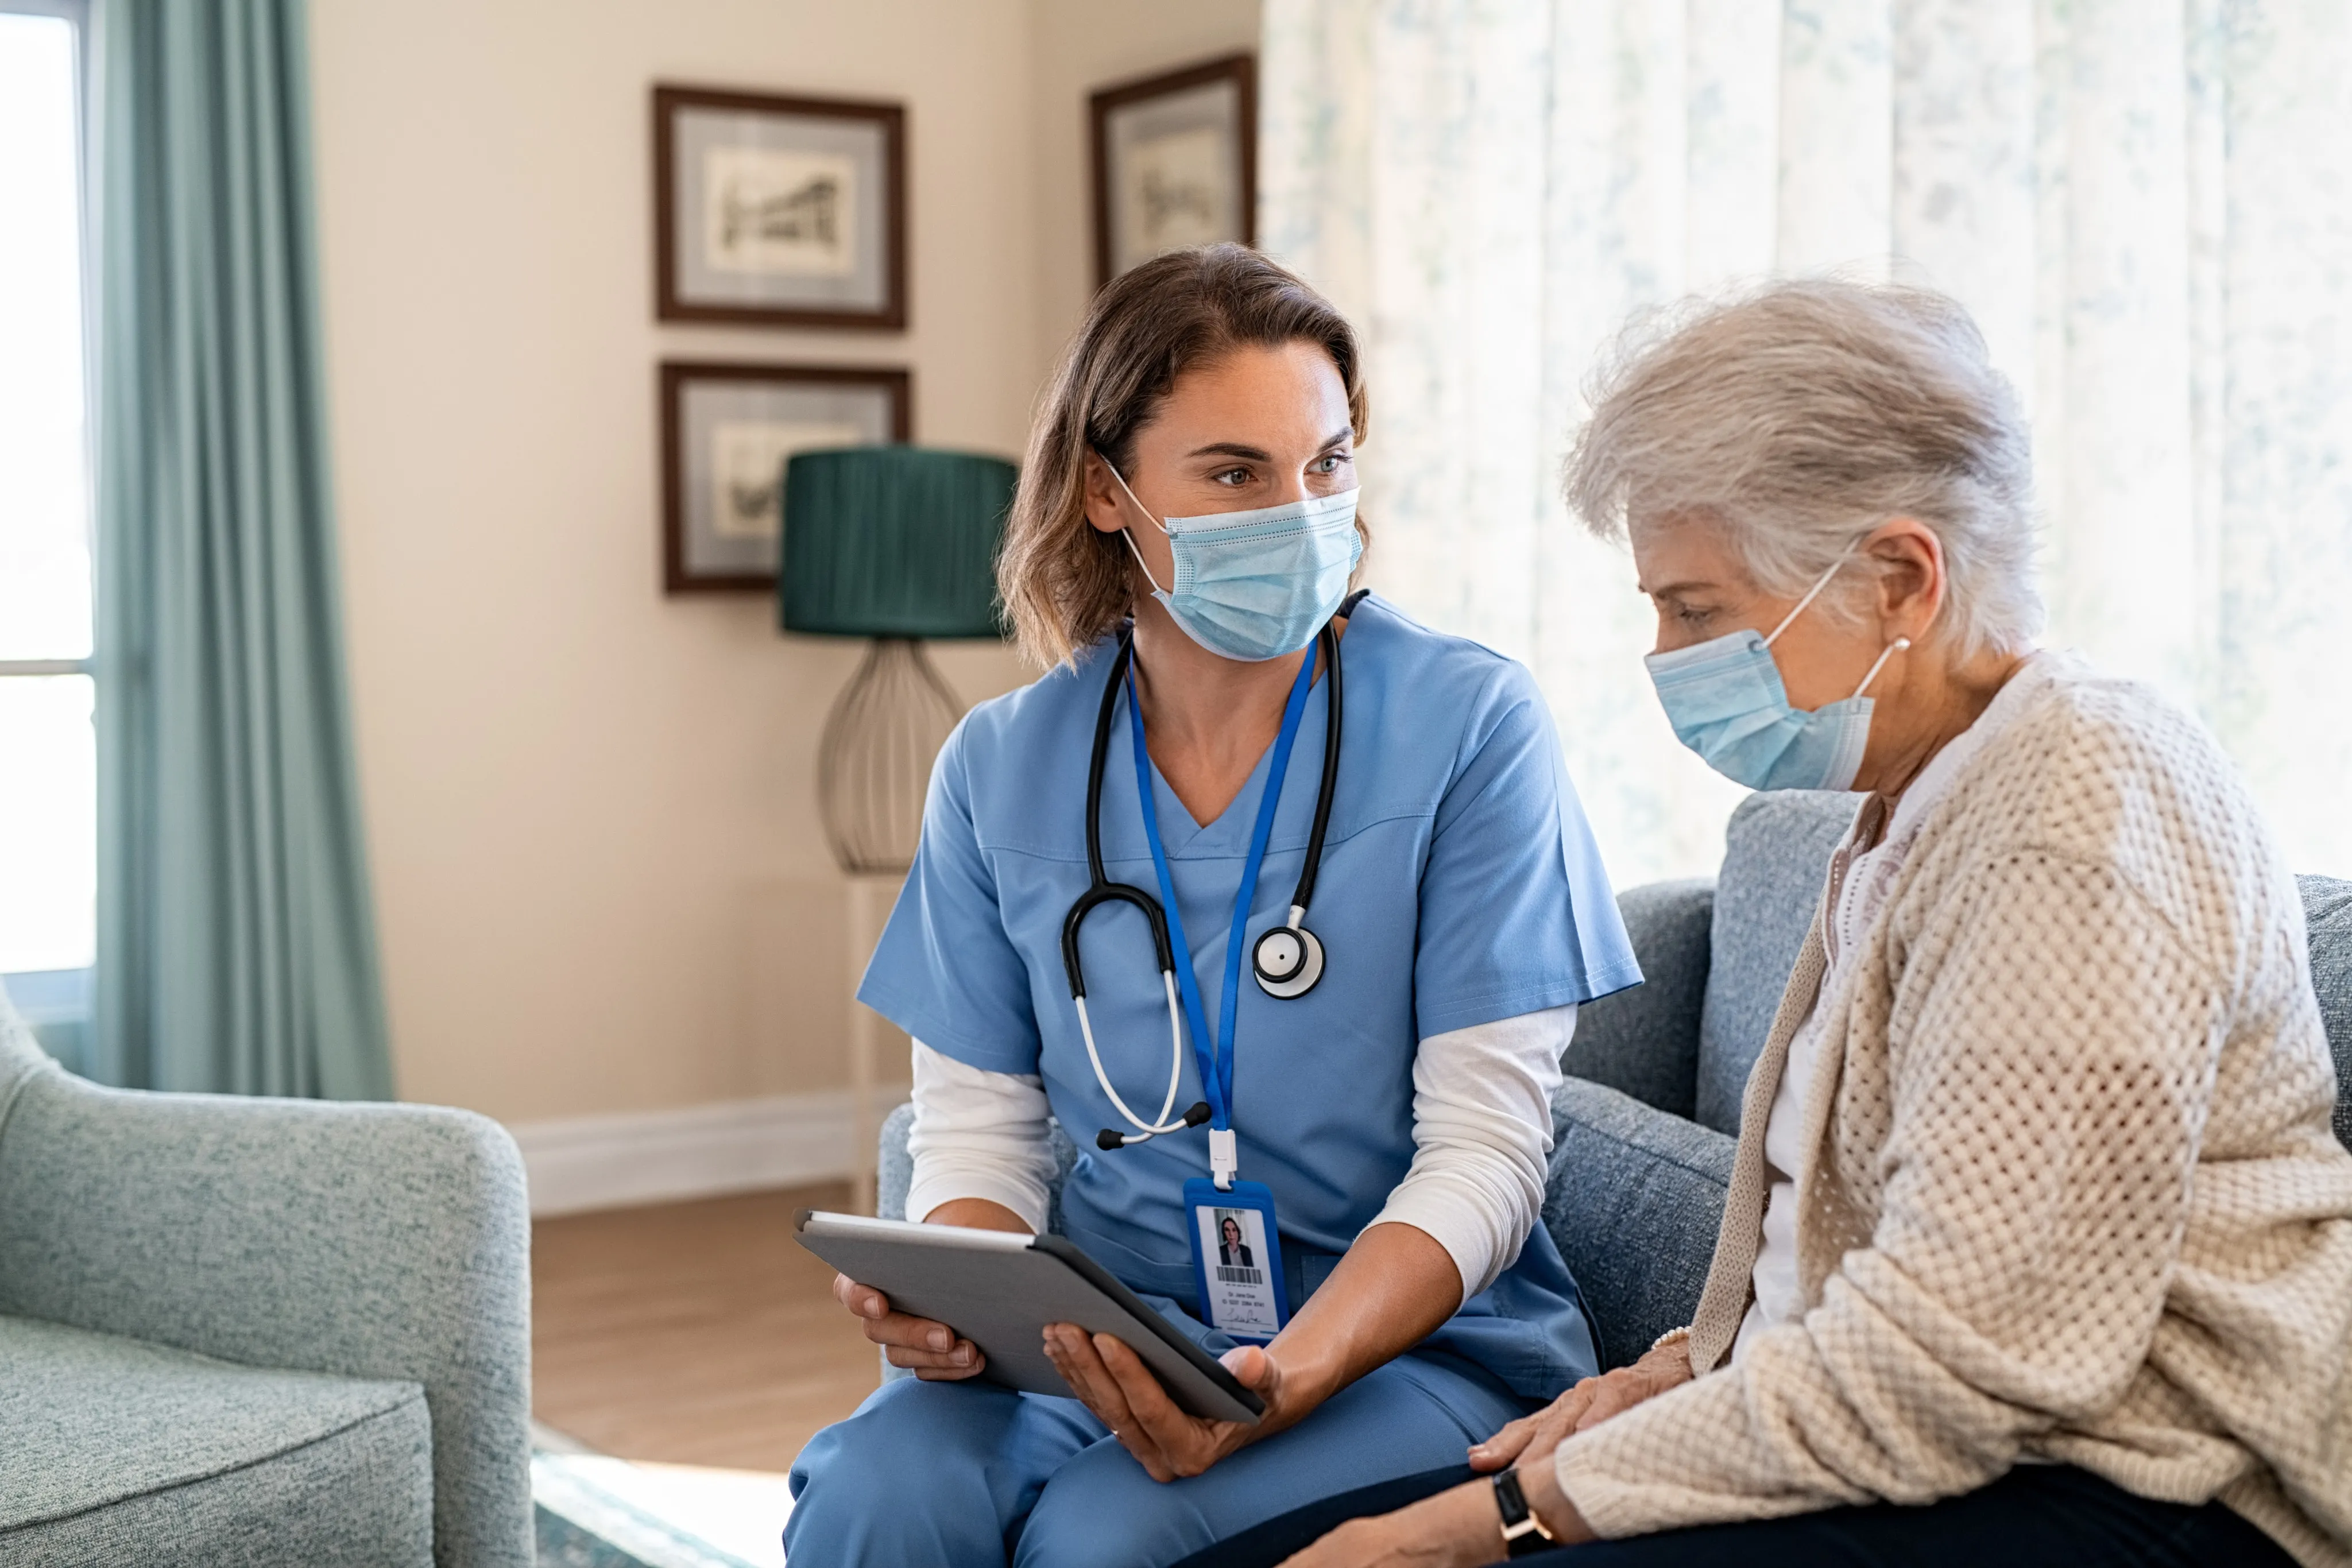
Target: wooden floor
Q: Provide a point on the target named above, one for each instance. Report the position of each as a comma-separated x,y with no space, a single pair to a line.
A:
693,1333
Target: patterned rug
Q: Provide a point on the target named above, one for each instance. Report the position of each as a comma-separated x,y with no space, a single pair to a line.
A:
596,1511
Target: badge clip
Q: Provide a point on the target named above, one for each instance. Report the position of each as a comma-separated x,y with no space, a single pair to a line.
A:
1225,1157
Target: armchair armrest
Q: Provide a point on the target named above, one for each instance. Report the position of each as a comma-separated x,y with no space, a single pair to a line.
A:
1644,1041
894,1167
385,1242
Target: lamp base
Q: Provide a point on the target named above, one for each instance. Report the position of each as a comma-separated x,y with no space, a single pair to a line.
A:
873,763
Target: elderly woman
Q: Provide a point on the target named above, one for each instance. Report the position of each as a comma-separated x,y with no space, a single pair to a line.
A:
2038,1248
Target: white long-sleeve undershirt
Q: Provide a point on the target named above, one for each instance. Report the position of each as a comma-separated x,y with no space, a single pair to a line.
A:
979,1134
1481,1133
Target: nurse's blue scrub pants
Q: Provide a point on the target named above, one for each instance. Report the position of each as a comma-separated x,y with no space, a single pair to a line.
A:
969,1475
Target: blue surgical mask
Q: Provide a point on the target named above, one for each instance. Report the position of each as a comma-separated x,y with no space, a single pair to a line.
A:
1258,584
1725,699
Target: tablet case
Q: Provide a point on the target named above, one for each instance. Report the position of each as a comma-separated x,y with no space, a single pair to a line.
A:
999,1290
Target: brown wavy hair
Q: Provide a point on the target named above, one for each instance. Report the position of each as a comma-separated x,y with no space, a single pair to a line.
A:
1065,583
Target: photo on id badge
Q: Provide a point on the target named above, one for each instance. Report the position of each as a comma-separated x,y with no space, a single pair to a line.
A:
1239,1265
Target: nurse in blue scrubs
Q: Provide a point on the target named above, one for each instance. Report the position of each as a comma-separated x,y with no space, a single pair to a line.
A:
1353,1067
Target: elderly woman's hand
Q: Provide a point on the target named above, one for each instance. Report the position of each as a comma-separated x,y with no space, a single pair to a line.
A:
1456,1529
1586,1405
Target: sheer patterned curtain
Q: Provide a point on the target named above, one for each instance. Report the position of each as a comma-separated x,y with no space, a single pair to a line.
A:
2147,206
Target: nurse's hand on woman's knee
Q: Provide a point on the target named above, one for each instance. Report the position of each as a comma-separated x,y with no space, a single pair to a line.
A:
1584,1407
931,1350
1125,1396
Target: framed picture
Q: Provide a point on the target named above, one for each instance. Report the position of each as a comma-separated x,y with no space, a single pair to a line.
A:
1175,163
778,212
727,428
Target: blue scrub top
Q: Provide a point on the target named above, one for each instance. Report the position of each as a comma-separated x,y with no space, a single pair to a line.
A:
1460,885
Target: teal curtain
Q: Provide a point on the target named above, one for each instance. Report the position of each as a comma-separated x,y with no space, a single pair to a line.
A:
236,949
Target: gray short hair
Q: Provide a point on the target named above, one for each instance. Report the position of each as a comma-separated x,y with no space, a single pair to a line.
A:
1802,414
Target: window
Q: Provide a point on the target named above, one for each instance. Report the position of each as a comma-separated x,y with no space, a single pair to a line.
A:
49,873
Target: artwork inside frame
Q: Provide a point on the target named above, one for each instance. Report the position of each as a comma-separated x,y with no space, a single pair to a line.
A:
728,428
778,212
1175,163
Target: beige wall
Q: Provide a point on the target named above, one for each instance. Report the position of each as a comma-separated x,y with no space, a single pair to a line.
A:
600,878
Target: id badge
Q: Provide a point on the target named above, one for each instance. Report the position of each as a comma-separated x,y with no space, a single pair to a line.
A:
1237,1258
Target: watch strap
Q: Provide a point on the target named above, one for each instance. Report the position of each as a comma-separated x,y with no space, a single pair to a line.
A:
1523,1534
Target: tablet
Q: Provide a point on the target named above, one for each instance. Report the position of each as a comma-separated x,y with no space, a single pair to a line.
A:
998,1290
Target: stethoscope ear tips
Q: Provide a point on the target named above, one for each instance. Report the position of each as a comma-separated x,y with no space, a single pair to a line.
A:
1107,1140
1287,961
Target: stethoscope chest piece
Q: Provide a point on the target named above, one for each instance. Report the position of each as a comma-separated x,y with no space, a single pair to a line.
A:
1287,961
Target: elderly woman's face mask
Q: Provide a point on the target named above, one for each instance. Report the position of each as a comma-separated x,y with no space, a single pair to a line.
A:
1725,701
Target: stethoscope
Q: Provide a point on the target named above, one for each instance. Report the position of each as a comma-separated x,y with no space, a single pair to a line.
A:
1287,960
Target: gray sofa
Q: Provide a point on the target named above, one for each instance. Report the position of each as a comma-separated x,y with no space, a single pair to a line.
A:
246,1332
1643,1129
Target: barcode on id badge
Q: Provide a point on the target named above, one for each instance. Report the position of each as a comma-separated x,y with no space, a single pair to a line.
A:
1240,1276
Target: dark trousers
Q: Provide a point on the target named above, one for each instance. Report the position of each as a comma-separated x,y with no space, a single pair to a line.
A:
2036,1516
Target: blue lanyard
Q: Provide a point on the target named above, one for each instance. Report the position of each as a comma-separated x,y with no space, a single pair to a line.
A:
1217,1072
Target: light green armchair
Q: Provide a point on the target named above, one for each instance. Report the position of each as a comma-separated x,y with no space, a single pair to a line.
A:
257,1332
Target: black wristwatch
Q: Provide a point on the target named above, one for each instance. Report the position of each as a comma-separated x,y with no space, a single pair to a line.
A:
1523,1533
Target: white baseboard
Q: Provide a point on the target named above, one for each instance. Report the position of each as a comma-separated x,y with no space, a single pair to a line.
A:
699,1150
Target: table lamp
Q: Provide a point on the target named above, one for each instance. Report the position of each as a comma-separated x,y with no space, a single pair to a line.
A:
897,544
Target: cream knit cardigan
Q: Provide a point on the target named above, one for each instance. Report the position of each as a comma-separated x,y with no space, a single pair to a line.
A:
2073,1192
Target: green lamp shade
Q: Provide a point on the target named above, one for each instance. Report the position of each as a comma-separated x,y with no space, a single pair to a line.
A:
892,541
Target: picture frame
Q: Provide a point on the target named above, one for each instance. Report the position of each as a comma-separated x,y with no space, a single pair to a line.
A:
1175,163
775,211
727,428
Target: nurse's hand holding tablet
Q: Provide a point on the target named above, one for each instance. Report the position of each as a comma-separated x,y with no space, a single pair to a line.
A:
1314,1124
930,1350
